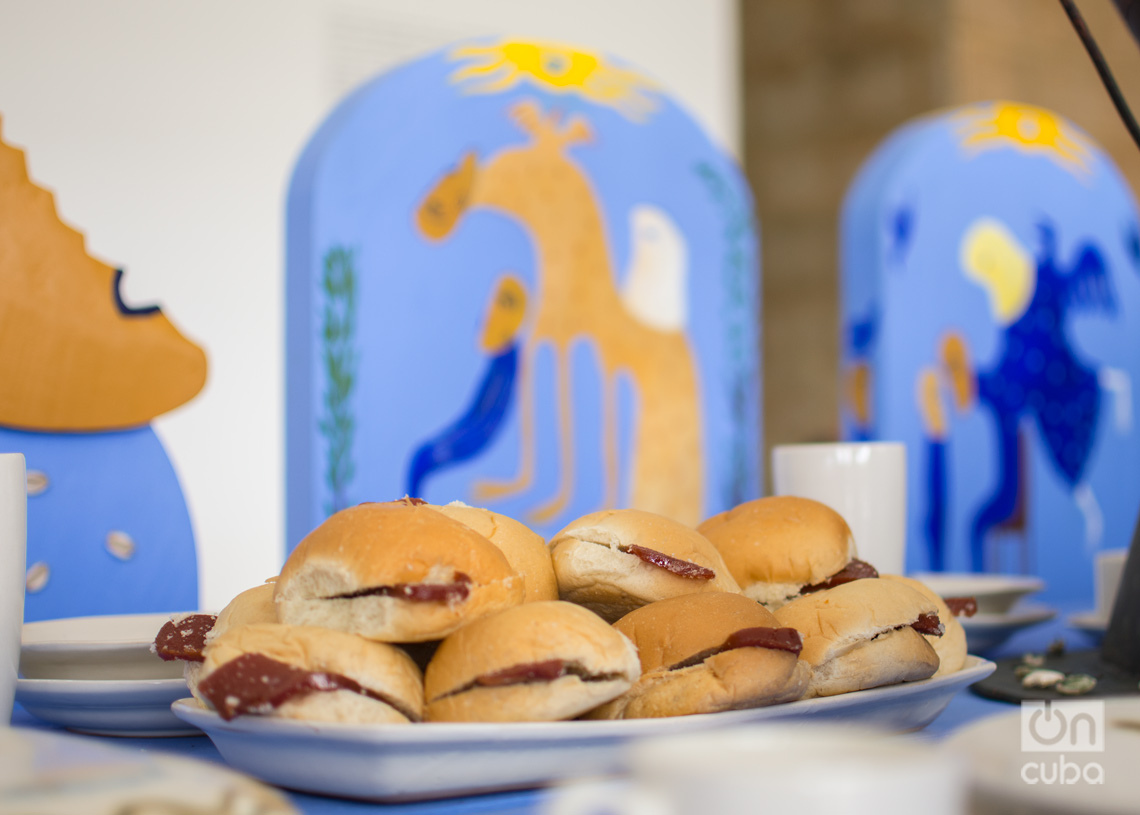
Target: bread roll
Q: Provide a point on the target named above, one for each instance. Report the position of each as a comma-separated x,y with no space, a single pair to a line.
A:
860,635
250,606
536,662
303,672
617,560
524,549
700,653
951,646
777,546
394,572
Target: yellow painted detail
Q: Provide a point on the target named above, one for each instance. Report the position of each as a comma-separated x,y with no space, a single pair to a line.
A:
442,207
558,68
859,392
959,369
1026,128
930,407
505,314
993,258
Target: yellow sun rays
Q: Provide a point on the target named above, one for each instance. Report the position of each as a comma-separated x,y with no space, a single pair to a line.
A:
1028,128
499,67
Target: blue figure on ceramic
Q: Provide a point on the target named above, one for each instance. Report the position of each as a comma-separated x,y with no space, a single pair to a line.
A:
1006,351
1038,375
477,427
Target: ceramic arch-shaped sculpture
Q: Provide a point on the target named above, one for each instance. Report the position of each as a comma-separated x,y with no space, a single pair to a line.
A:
520,276
991,287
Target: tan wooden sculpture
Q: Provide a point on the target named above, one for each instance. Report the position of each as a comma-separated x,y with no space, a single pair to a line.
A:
73,356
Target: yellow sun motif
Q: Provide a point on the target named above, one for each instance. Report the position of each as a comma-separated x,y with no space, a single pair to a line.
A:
1028,128
558,68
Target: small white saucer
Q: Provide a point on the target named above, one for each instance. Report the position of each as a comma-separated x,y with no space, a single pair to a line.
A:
1091,623
995,593
1009,778
59,774
107,707
113,647
985,632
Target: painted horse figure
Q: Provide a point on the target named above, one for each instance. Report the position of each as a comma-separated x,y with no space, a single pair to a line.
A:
638,330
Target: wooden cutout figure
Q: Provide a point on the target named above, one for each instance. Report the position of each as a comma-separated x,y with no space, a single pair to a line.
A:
73,355
83,374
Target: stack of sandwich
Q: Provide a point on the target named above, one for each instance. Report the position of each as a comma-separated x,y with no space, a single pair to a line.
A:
404,612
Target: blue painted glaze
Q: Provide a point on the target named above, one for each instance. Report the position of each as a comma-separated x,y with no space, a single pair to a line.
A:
995,247
99,485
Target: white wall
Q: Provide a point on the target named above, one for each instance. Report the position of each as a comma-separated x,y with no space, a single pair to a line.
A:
169,130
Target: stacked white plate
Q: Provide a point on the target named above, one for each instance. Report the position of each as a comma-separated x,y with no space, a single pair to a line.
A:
1002,608
98,675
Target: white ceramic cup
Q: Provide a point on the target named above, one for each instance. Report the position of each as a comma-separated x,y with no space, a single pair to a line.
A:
865,482
1109,571
13,552
805,769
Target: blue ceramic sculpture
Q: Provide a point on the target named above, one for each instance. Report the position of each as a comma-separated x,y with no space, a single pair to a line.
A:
991,304
519,275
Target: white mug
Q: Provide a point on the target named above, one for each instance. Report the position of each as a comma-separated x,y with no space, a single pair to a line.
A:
13,552
865,482
805,769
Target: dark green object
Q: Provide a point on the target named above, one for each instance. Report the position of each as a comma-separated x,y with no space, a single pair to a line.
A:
1121,644
337,334
1116,666
1005,686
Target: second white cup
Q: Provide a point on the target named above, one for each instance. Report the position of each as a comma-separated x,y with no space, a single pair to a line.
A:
865,482
13,553
1108,574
